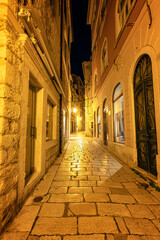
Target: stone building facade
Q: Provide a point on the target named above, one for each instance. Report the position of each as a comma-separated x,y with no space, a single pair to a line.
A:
87,72
77,104
35,43
126,80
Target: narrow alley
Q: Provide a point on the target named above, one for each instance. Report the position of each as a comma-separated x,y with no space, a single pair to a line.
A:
88,195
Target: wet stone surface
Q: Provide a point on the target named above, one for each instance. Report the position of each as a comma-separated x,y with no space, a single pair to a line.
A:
88,195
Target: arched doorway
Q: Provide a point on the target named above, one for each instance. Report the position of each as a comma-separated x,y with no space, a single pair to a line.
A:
105,121
145,115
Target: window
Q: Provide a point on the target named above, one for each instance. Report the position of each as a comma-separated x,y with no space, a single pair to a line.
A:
98,122
49,122
104,3
104,56
123,10
118,114
95,82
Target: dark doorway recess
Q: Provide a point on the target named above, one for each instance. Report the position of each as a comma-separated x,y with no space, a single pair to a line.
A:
145,115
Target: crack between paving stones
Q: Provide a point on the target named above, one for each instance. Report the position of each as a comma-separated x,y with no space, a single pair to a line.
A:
66,209
33,224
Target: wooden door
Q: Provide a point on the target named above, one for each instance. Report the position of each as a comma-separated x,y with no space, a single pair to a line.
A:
31,131
145,115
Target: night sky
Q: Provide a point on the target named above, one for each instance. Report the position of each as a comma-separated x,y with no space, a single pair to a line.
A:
81,46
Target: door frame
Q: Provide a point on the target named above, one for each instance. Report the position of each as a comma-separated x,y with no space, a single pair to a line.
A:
142,87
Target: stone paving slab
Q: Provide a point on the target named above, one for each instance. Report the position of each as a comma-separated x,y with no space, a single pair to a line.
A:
52,210
80,190
54,189
25,219
88,183
44,238
14,236
101,190
121,225
155,210
66,198
65,184
52,226
109,184
145,199
120,191
79,178
141,226
88,195
80,209
140,211
110,209
150,238
86,237
121,198
50,238
88,225
96,197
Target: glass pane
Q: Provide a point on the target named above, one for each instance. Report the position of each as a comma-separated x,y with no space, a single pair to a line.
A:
150,109
118,120
49,121
98,116
118,91
105,106
140,110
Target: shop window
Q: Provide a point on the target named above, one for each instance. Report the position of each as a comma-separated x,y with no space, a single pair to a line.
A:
104,56
118,114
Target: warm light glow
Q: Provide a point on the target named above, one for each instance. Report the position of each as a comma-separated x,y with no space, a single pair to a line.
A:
74,110
80,118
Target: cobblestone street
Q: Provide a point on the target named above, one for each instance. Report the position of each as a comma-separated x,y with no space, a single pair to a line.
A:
88,195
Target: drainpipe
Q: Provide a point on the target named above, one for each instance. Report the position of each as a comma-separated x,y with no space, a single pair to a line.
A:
60,103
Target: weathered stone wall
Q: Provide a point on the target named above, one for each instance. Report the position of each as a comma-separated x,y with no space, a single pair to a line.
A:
19,62
51,155
51,24
10,98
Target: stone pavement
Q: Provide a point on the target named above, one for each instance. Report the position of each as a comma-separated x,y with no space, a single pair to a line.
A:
88,195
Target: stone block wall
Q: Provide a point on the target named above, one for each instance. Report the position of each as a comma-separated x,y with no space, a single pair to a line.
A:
10,100
51,155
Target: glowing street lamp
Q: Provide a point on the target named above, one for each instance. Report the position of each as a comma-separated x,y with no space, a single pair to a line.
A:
74,110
